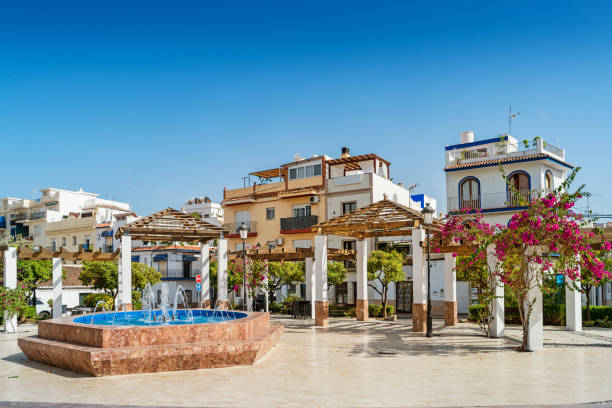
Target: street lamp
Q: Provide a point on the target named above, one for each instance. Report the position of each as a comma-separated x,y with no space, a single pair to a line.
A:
243,230
428,213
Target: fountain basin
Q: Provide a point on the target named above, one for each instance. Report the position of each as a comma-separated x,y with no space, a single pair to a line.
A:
105,349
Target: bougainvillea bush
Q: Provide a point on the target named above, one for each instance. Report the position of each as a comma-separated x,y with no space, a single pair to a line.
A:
543,239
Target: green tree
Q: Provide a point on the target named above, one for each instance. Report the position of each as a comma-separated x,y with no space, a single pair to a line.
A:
336,273
104,275
384,268
34,272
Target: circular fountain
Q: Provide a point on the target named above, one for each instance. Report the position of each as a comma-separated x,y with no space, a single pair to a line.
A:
158,338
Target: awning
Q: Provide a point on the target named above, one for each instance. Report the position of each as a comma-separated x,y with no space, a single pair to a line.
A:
189,258
135,258
107,233
160,257
2,222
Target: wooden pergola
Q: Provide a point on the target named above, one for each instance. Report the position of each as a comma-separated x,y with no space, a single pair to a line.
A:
39,253
171,225
300,254
384,218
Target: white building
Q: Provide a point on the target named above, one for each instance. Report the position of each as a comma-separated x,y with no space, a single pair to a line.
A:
105,240
207,210
473,178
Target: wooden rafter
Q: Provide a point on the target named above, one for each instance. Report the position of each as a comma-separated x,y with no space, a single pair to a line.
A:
171,225
381,219
298,255
81,255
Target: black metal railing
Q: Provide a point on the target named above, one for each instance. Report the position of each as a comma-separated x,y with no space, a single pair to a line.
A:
298,223
232,227
108,248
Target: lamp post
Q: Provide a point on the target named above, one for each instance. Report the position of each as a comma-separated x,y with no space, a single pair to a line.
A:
428,213
243,230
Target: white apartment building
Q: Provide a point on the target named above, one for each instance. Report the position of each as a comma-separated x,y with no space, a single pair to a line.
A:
207,210
58,213
105,240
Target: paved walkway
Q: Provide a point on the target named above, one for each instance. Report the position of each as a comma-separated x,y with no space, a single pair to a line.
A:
348,364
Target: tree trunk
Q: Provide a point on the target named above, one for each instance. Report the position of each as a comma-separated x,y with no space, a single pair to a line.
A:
588,303
384,302
34,298
524,315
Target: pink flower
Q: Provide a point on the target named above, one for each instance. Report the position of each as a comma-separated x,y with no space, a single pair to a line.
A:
454,254
606,246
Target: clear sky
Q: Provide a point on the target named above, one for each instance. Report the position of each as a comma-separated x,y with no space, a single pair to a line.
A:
155,102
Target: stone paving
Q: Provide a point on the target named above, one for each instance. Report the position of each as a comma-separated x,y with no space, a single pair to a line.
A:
349,363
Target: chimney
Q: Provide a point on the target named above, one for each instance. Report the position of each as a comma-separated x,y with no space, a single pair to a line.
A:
467,137
346,152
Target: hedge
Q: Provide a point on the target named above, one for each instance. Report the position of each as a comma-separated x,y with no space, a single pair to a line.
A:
598,313
377,310
554,314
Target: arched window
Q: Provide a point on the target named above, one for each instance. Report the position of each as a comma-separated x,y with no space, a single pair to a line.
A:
520,195
469,191
548,180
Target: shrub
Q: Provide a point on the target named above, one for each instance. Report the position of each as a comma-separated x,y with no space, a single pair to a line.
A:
275,307
390,310
475,312
598,312
291,298
375,310
93,298
136,300
27,313
350,313
554,314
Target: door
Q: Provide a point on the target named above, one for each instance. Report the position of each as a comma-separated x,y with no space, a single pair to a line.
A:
403,296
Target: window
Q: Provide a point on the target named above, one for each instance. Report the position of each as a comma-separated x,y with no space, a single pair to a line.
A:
348,208
470,193
37,230
63,241
352,245
342,293
548,181
305,171
520,196
82,298
302,210
74,241
301,243
270,213
270,245
162,267
53,245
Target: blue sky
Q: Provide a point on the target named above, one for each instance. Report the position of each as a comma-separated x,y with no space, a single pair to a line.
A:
155,102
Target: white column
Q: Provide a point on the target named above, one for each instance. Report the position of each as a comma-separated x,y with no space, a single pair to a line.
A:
419,267
310,284
362,269
57,287
205,274
497,305
320,268
450,278
10,282
125,278
265,283
450,291
535,336
573,309
222,269
362,280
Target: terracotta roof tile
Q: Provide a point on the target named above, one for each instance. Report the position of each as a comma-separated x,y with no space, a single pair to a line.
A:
163,247
503,160
71,279
106,224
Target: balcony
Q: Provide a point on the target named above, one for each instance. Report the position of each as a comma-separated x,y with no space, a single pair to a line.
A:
298,224
232,227
107,248
496,201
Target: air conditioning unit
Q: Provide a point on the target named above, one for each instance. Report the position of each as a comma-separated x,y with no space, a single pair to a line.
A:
279,241
313,199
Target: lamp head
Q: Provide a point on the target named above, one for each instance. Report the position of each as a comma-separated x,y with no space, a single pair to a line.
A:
428,213
243,230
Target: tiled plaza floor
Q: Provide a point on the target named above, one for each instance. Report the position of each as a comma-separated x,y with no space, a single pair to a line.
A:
348,364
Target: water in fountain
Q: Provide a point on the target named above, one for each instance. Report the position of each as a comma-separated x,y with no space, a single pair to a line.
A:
117,303
164,303
182,296
99,303
148,304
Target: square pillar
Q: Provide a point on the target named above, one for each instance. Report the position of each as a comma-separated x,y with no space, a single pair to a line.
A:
573,309
362,280
205,274
419,282
497,305
535,336
310,285
57,287
321,304
222,272
450,291
265,286
125,272
10,282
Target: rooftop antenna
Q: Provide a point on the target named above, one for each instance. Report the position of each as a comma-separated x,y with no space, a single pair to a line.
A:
511,117
244,180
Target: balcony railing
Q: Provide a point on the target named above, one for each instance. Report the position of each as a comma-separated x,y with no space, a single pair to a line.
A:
496,200
298,223
38,215
107,248
232,227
